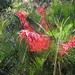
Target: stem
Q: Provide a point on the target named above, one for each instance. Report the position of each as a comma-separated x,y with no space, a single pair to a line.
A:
55,63
59,68
56,56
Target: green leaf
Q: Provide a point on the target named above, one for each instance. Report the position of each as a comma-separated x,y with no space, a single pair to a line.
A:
66,29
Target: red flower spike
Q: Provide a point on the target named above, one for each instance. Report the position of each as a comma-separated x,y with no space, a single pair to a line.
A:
22,15
64,48
41,10
43,21
36,42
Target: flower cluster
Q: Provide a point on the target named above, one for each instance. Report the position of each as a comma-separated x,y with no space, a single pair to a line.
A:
64,48
43,21
41,10
36,42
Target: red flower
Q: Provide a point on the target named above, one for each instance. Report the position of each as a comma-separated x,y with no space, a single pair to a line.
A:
36,42
22,15
64,48
41,10
43,21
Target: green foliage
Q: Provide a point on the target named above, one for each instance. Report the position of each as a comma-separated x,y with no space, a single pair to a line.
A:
61,10
16,59
5,4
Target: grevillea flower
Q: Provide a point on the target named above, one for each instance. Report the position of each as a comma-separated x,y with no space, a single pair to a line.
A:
43,21
41,10
22,16
64,48
36,42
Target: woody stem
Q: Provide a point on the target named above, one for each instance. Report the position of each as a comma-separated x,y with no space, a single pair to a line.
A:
59,68
55,63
